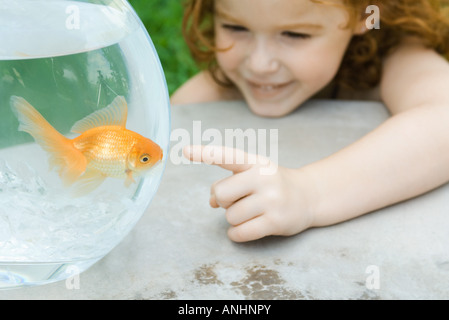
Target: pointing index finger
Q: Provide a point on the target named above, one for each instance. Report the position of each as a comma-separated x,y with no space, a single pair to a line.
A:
231,159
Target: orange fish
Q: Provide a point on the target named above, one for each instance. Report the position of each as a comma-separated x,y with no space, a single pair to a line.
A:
104,149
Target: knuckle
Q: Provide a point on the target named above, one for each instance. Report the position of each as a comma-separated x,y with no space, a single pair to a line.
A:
274,195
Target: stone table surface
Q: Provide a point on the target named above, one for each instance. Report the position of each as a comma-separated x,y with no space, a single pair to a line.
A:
179,248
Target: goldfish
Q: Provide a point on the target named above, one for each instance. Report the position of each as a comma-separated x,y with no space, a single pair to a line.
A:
104,147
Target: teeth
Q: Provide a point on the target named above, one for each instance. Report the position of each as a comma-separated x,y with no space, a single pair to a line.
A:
267,88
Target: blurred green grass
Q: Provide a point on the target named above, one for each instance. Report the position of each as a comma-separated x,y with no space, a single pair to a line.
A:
163,21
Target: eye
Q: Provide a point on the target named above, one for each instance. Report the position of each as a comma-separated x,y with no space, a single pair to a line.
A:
145,158
296,35
234,27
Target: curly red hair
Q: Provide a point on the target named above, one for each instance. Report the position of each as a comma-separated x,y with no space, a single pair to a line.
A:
361,68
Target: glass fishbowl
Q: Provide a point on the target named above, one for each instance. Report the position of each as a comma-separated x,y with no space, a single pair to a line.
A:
84,134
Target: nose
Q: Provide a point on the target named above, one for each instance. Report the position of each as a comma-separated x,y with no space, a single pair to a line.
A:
262,58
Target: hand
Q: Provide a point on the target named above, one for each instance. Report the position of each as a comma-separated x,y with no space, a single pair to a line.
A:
260,197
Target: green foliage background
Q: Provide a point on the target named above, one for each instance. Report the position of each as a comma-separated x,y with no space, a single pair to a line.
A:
163,20
61,90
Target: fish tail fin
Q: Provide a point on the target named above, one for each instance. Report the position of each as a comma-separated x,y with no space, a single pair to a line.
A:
69,161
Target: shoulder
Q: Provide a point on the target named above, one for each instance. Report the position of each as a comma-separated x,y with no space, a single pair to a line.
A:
413,75
202,88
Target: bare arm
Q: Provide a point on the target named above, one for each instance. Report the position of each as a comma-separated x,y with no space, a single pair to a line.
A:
406,156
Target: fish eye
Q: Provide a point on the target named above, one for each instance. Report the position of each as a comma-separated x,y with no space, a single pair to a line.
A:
145,158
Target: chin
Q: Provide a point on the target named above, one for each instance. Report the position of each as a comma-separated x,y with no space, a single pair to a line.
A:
276,107
271,111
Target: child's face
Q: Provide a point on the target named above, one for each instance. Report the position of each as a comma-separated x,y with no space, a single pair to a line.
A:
282,51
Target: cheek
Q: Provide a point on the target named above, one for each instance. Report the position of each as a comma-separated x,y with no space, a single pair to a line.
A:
319,64
229,59
320,68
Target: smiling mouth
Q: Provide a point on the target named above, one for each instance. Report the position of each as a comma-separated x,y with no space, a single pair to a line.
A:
268,88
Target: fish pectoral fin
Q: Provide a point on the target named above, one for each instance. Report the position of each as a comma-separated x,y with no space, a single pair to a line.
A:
129,178
114,114
88,182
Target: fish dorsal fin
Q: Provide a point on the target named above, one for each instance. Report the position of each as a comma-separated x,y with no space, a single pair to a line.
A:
114,114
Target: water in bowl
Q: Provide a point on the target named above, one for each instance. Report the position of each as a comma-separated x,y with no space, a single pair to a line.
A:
69,59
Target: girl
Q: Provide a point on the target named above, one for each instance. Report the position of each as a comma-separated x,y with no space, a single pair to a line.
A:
276,54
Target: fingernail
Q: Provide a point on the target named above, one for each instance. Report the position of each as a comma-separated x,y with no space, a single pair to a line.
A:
213,202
